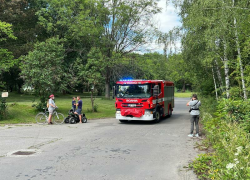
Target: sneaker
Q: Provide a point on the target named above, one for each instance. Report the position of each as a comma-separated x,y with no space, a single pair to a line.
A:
190,135
197,135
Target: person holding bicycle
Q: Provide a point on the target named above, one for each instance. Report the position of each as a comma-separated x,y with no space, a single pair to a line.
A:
79,108
52,107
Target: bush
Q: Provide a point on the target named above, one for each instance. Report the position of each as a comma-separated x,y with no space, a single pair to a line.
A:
234,111
3,108
227,131
95,107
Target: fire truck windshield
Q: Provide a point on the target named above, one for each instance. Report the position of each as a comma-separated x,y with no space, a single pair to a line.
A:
134,91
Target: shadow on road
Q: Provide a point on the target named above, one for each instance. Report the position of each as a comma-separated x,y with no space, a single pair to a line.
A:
165,120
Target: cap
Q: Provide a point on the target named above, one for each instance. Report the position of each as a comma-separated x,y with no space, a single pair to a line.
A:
52,95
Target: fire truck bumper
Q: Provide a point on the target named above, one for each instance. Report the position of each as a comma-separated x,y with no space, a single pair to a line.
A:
146,117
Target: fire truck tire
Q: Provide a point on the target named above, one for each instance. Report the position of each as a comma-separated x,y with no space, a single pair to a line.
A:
123,121
170,111
157,116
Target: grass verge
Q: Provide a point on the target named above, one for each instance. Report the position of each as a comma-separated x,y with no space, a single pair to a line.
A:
230,144
20,108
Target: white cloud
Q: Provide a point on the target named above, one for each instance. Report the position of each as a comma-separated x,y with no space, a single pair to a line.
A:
166,21
168,18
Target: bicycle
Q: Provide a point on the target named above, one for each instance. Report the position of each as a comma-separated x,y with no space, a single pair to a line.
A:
42,117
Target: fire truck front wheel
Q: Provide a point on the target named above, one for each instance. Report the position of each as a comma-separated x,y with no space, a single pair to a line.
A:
123,121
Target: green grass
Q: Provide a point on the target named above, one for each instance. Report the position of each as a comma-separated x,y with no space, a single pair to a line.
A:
183,95
20,108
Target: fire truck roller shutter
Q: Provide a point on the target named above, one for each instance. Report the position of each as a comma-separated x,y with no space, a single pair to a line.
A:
168,100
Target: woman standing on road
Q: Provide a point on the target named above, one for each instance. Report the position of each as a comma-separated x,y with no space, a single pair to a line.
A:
51,108
194,112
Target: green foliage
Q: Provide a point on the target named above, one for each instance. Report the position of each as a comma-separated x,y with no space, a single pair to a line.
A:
95,107
3,108
20,108
202,166
6,57
214,41
92,71
226,125
6,31
6,60
237,111
44,68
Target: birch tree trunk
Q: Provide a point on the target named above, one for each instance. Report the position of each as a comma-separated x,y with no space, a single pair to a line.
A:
239,57
226,69
219,76
215,86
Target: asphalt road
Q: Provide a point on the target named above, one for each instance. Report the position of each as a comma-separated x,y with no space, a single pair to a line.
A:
101,149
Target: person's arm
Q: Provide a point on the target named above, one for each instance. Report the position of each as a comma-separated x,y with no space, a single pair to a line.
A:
188,104
52,103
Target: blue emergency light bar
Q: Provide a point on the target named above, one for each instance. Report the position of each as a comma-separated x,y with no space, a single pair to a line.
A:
129,79
132,79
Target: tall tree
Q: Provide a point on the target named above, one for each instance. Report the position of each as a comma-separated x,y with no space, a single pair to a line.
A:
129,25
21,15
43,68
6,57
115,27
215,30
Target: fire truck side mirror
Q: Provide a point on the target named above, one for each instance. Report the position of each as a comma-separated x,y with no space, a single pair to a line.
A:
156,90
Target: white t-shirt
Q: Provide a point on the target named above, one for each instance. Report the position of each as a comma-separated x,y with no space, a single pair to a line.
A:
195,104
51,108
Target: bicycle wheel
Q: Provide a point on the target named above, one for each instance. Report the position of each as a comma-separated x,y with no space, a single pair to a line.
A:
40,118
58,118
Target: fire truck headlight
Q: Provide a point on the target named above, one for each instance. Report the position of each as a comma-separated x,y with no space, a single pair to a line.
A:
147,113
118,112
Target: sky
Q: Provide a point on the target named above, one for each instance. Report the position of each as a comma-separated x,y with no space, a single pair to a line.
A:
167,20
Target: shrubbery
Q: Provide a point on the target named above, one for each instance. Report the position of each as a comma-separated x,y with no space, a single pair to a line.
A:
227,131
3,108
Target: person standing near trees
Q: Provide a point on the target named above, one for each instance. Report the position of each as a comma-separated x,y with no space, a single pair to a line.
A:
51,108
79,108
195,113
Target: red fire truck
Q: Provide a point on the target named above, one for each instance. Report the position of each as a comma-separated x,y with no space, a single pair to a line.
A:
146,100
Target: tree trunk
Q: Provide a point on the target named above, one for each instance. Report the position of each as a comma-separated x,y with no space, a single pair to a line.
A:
221,86
226,68
184,86
239,58
92,101
107,86
215,86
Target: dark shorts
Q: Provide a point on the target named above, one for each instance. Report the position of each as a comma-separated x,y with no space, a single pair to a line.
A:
78,111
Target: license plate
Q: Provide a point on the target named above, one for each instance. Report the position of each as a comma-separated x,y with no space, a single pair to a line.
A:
132,105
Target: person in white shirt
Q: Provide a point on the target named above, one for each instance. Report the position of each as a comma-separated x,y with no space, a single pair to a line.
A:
194,112
51,108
